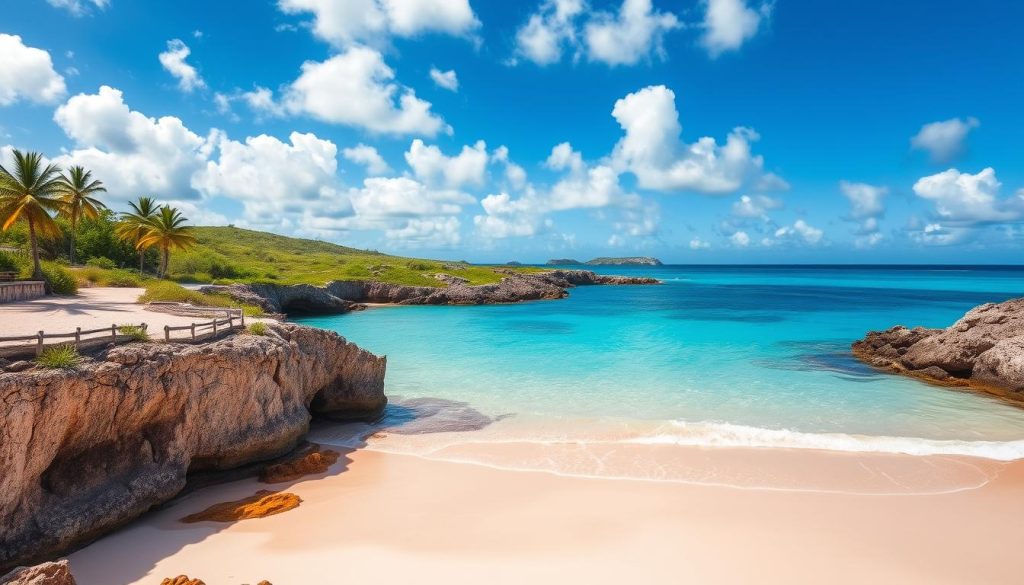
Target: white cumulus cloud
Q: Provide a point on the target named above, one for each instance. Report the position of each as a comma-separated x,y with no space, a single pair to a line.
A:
78,7
757,206
944,141
963,199
27,73
356,88
368,157
173,60
433,167
867,206
800,230
730,23
446,79
344,22
652,150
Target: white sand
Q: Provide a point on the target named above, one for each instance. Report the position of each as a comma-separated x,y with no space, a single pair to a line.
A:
385,518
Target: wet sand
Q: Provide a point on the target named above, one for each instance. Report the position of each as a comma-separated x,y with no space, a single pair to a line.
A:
392,518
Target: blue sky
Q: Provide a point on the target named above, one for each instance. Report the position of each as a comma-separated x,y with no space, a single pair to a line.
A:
696,131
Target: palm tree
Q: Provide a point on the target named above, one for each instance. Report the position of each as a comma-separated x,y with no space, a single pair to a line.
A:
77,189
135,224
167,230
29,192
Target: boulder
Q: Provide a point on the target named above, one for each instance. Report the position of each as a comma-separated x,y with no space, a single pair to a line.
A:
85,451
53,573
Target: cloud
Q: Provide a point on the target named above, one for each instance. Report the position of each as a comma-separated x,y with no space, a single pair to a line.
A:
270,177
368,157
867,206
431,166
371,100
800,230
445,79
27,73
740,239
78,7
343,23
382,198
515,175
431,231
651,149
173,60
966,200
699,244
548,31
627,36
944,141
758,206
730,23
505,217
134,154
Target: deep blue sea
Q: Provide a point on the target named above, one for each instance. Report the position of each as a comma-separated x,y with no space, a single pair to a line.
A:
732,356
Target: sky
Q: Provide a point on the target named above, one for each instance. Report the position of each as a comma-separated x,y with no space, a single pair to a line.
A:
696,131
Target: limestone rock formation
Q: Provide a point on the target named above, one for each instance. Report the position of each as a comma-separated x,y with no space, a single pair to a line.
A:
259,505
54,573
84,451
628,261
984,349
343,295
305,462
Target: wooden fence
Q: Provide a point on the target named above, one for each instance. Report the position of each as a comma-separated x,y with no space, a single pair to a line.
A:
92,338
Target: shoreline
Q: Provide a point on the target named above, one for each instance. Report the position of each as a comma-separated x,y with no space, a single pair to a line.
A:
466,523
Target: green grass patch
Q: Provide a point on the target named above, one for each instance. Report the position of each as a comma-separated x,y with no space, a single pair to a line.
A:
258,328
116,277
134,332
227,254
172,292
62,357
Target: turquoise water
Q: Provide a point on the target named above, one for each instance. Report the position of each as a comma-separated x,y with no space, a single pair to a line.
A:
716,355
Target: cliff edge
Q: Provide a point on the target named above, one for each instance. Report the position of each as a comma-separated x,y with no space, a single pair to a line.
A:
83,451
984,350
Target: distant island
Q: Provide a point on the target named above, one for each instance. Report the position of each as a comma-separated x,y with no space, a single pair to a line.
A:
603,261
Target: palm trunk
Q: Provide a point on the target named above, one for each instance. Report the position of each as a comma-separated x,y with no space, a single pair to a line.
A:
37,268
71,250
142,256
166,260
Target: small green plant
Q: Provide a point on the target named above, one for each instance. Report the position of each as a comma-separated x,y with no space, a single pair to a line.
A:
134,332
258,328
61,357
61,280
101,262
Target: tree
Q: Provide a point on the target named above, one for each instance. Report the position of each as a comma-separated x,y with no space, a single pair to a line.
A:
167,231
135,224
29,191
76,195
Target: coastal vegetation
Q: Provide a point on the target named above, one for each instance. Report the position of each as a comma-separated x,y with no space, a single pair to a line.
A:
171,292
29,192
62,357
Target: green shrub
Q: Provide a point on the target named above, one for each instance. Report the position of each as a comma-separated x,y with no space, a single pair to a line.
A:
60,279
59,357
135,332
172,292
258,328
101,262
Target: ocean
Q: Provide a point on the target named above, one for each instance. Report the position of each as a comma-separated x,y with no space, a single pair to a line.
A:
717,356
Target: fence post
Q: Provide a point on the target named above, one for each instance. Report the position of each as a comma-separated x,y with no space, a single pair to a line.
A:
78,336
242,313
193,331
231,321
215,327
113,332
39,346
167,332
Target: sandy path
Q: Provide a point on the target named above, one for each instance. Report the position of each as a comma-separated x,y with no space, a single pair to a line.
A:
91,308
386,518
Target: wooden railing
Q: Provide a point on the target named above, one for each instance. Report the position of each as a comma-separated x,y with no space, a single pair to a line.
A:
78,337
234,320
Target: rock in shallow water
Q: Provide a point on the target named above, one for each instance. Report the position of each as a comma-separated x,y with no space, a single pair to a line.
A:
984,349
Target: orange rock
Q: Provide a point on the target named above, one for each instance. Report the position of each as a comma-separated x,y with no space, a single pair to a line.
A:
309,463
263,503
181,580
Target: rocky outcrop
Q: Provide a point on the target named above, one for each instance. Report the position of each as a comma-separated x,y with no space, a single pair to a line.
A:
983,350
54,573
83,451
629,261
514,287
564,262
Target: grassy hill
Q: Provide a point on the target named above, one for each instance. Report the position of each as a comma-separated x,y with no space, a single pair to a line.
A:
230,254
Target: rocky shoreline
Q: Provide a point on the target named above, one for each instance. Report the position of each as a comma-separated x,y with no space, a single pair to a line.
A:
982,351
342,296
85,450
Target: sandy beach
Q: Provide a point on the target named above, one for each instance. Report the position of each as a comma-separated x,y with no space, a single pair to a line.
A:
390,518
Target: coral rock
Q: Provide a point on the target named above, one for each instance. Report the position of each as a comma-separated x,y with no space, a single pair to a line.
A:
54,573
305,463
260,505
